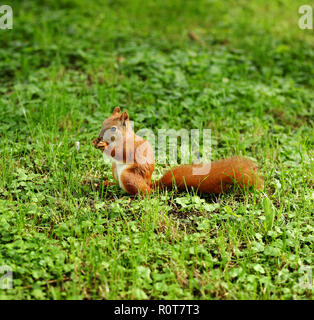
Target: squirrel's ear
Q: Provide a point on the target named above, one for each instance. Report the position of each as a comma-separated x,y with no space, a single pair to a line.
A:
124,117
116,110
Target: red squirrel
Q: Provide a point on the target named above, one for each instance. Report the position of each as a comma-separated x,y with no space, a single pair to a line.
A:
133,164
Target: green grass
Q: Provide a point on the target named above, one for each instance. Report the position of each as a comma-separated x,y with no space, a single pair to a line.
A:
67,64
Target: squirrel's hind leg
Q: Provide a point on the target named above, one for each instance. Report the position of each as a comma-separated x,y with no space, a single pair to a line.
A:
133,184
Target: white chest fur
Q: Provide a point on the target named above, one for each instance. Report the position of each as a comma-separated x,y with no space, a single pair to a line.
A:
120,166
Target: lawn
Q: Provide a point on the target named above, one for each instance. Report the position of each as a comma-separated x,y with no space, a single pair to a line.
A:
243,69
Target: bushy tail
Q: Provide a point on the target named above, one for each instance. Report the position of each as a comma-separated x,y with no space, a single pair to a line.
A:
215,177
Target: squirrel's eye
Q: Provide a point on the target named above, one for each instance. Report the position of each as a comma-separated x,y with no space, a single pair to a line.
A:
113,129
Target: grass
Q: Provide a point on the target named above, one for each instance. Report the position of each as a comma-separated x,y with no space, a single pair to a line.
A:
245,72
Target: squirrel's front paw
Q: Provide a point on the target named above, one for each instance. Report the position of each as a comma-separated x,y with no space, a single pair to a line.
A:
99,144
95,142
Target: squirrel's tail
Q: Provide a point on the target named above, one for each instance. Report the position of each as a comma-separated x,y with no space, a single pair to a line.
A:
215,177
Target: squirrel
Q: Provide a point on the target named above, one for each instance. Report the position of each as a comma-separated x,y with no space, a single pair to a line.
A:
133,164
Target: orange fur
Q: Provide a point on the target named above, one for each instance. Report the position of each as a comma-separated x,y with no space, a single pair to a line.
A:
137,167
221,175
